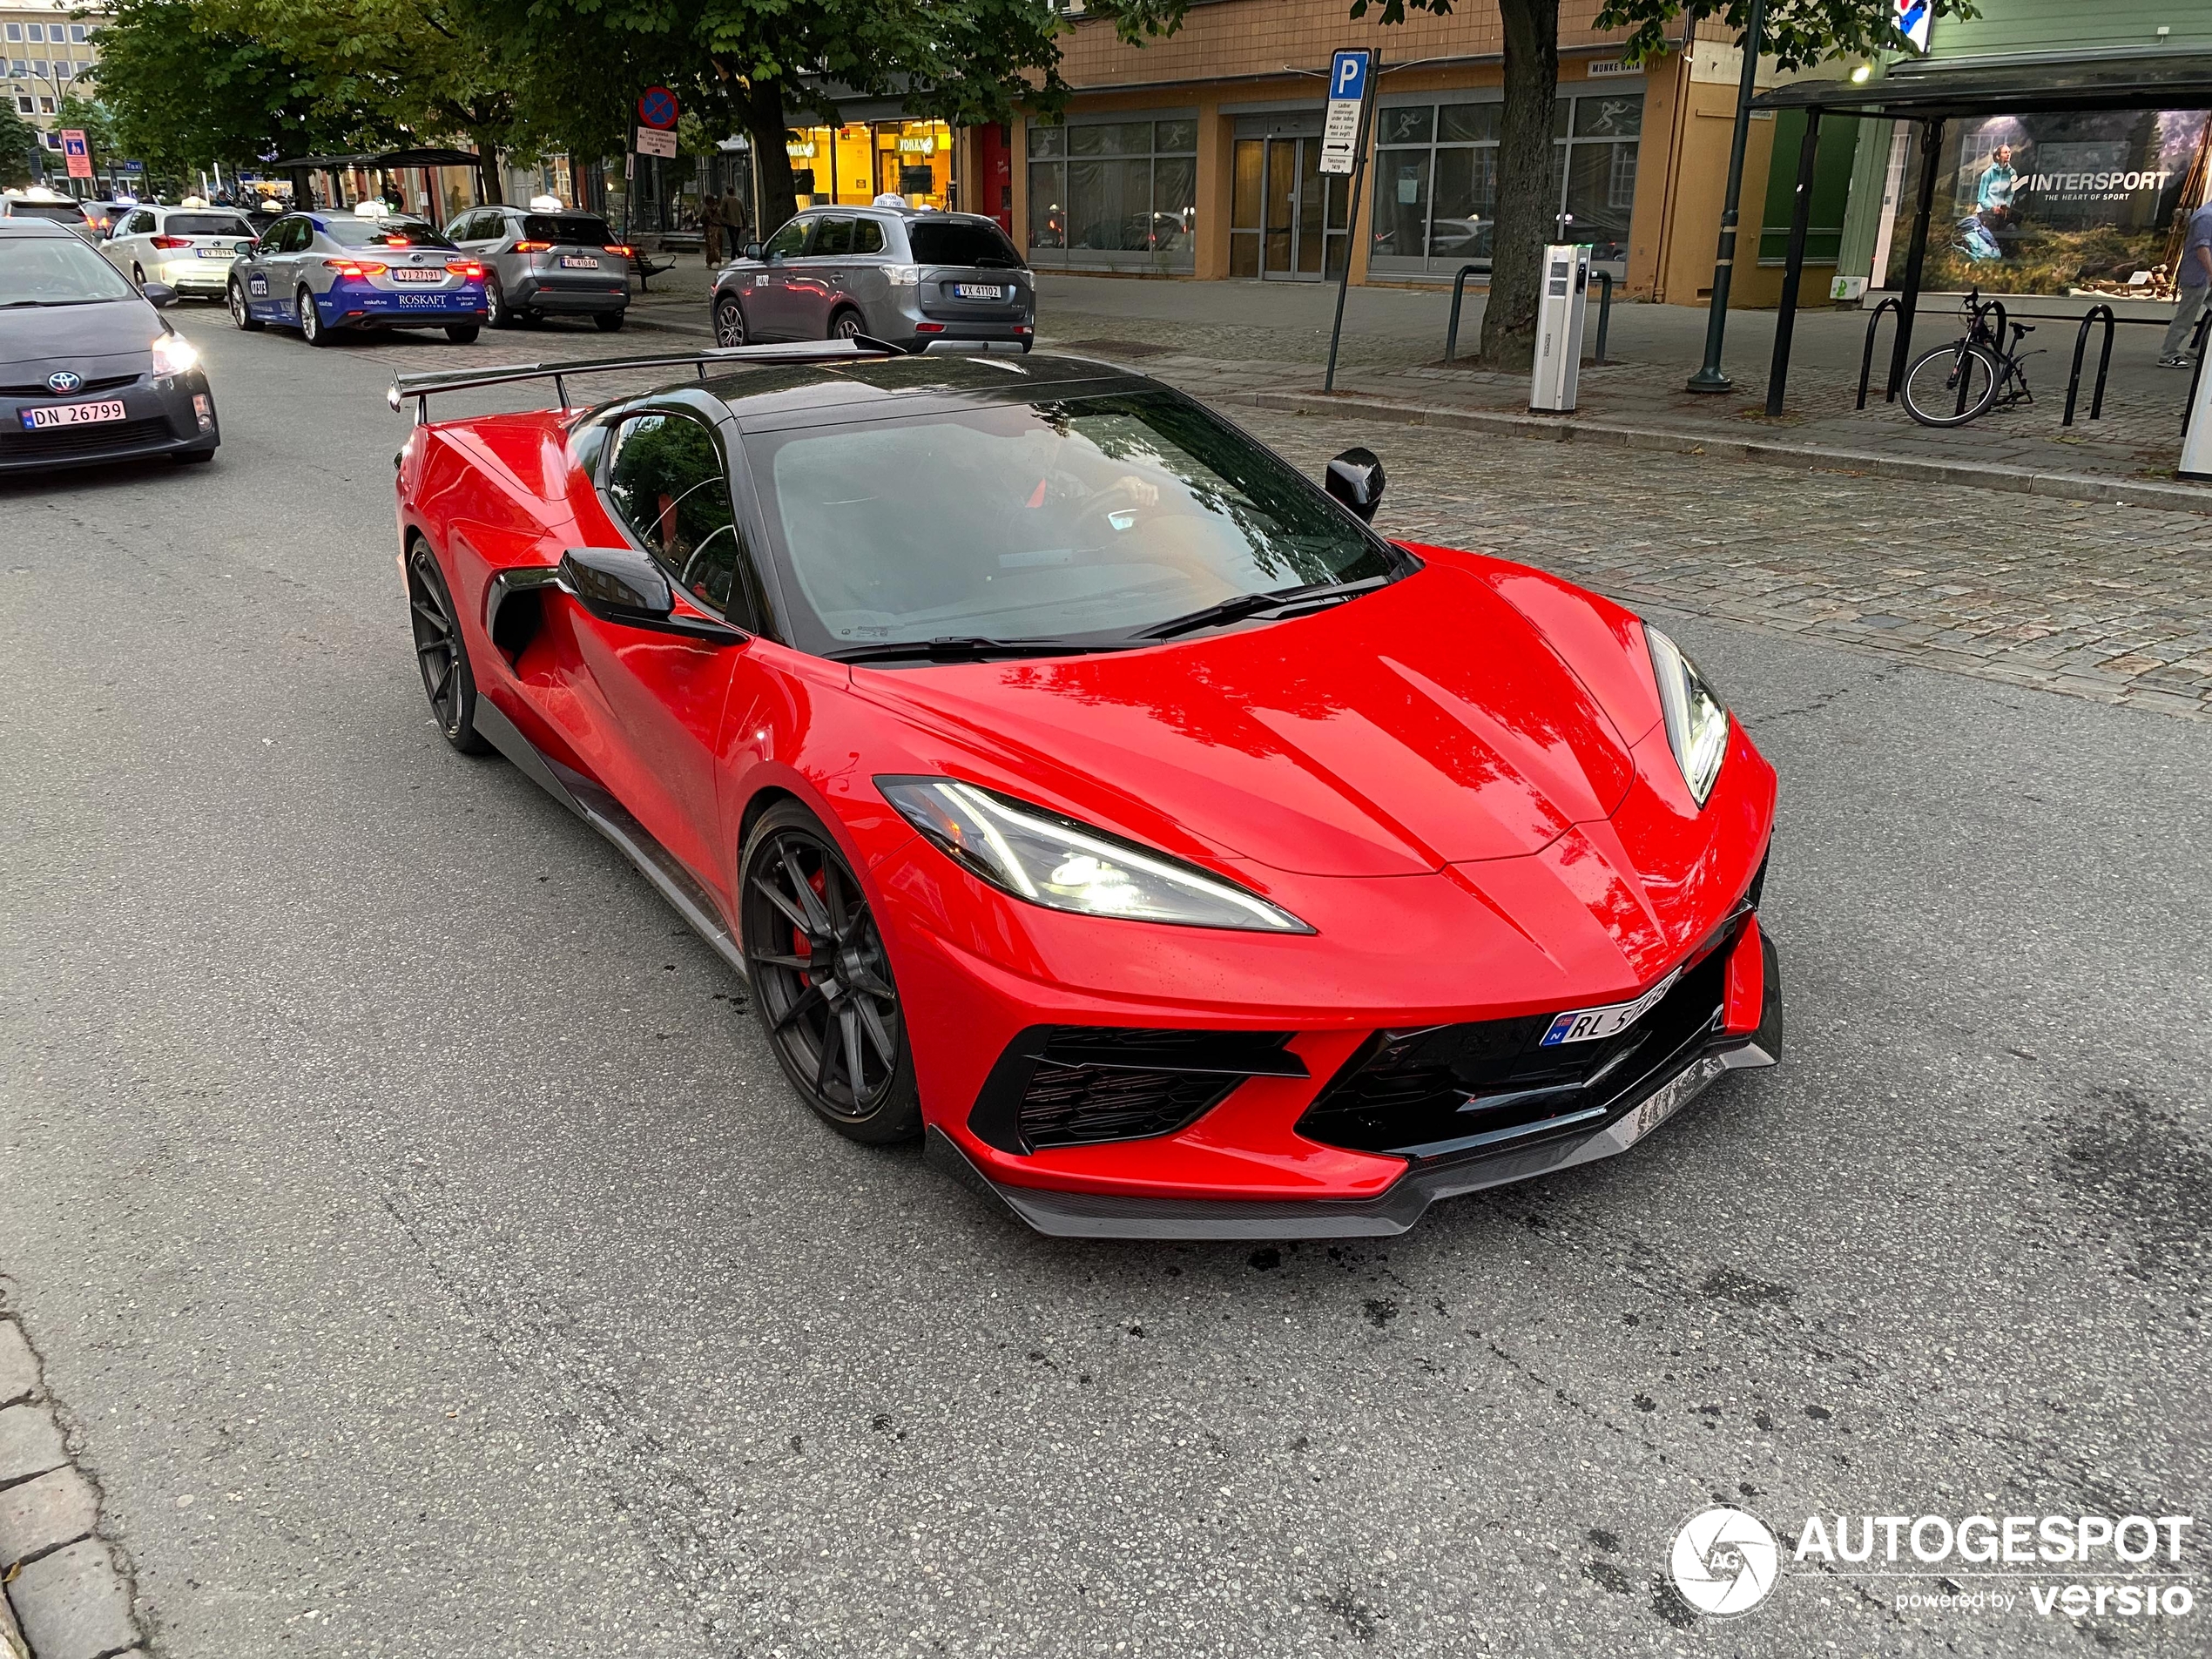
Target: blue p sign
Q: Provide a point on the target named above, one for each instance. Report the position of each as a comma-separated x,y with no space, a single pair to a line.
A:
1348,75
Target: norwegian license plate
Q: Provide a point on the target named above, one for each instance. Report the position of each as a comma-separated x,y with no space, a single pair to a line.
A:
410,273
53,415
1587,1025
979,290
579,262
215,253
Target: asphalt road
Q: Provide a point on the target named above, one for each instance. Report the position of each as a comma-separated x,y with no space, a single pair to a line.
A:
432,1263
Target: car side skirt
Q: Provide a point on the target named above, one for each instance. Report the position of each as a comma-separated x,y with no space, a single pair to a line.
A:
612,819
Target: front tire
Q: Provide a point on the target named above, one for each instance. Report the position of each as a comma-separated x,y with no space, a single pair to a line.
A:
242,311
729,323
311,323
138,276
462,334
442,653
1951,385
822,983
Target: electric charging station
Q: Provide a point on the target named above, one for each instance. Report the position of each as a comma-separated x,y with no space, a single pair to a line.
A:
1560,312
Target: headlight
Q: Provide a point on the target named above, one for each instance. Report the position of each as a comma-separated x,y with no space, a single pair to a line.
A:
173,354
1055,861
1697,723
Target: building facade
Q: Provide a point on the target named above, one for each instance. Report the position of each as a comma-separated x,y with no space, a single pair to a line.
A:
1198,155
45,52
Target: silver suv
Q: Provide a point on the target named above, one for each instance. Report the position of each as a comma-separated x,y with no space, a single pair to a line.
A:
546,265
893,274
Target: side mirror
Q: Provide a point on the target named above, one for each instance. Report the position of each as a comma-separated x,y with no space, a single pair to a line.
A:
1355,479
752,250
622,586
159,295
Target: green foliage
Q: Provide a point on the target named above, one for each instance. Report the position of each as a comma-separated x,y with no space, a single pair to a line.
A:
18,138
1796,33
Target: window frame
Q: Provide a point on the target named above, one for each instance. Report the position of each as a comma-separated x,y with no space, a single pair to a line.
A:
1059,151
746,609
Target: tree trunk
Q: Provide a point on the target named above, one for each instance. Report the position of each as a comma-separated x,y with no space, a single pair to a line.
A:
488,170
1528,186
770,129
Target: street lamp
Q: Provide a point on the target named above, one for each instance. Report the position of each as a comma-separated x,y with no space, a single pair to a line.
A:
1709,377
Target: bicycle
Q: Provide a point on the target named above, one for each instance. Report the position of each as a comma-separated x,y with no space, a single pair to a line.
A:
1953,384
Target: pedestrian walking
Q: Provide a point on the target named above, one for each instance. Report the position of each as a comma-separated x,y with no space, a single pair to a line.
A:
710,228
2194,280
733,225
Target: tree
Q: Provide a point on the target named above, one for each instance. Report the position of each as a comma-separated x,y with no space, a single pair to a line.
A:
18,139
185,93
1796,34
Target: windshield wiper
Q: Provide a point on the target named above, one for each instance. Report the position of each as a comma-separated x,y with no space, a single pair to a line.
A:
1254,604
964,648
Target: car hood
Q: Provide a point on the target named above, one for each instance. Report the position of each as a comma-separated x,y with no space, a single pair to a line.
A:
1424,724
60,335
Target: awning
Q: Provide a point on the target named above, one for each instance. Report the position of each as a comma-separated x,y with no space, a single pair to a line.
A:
387,158
1921,92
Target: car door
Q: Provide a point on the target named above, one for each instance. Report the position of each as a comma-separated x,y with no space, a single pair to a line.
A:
129,243
766,301
268,286
664,487
813,289
867,282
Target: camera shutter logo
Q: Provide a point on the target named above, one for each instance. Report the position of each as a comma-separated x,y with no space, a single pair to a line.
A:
1724,1562
63,380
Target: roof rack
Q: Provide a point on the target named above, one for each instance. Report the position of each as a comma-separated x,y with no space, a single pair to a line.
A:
420,387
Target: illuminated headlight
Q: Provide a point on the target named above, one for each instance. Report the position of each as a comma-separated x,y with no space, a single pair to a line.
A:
1697,723
1055,861
173,355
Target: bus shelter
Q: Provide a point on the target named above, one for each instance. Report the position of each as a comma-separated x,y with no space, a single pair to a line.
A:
1932,95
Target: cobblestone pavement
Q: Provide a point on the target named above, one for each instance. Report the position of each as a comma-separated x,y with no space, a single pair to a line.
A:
2109,603
2112,603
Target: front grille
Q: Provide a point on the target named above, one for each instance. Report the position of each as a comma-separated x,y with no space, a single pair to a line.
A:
100,438
1451,1090
1079,1085
40,388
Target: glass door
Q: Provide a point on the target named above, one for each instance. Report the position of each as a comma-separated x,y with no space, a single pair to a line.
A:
1289,220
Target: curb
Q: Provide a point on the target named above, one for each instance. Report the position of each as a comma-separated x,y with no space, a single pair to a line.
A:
2063,486
65,1592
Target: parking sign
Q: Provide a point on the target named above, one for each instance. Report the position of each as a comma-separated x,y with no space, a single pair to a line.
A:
1347,97
78,152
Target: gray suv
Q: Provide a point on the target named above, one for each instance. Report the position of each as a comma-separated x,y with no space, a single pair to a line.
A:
546,265
895,275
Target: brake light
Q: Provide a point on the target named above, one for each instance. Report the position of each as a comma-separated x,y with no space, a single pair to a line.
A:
929,328
465,268
355,267
172,241
623,248
532,247
397,241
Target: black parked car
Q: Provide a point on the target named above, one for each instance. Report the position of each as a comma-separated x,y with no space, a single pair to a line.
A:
88,369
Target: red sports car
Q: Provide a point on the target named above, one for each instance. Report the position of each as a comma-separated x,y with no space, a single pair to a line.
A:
1082,787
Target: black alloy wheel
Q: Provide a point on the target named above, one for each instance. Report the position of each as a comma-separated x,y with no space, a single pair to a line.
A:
440,652
729,323
848,325
821,982
241,312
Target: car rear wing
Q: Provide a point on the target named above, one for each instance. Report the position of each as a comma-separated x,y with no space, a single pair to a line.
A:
420,388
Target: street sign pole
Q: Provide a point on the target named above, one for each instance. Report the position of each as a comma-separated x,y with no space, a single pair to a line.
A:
1346,69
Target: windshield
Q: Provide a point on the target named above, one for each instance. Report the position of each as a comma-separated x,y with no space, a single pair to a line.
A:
576,229
384,232
55,271
1096,517
205,225
952,241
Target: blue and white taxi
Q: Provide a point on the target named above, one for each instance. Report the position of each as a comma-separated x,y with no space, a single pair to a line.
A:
328,273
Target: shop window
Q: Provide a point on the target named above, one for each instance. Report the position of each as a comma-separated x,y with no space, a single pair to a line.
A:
1114,194
1435,205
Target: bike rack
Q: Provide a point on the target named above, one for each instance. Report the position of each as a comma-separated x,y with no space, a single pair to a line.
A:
1604,309
1866,357
1458,293
1983,307
2093,314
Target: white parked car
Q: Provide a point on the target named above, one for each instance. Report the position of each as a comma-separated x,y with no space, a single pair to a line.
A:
190,248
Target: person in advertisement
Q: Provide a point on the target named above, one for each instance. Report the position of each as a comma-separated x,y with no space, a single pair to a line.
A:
2195,281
